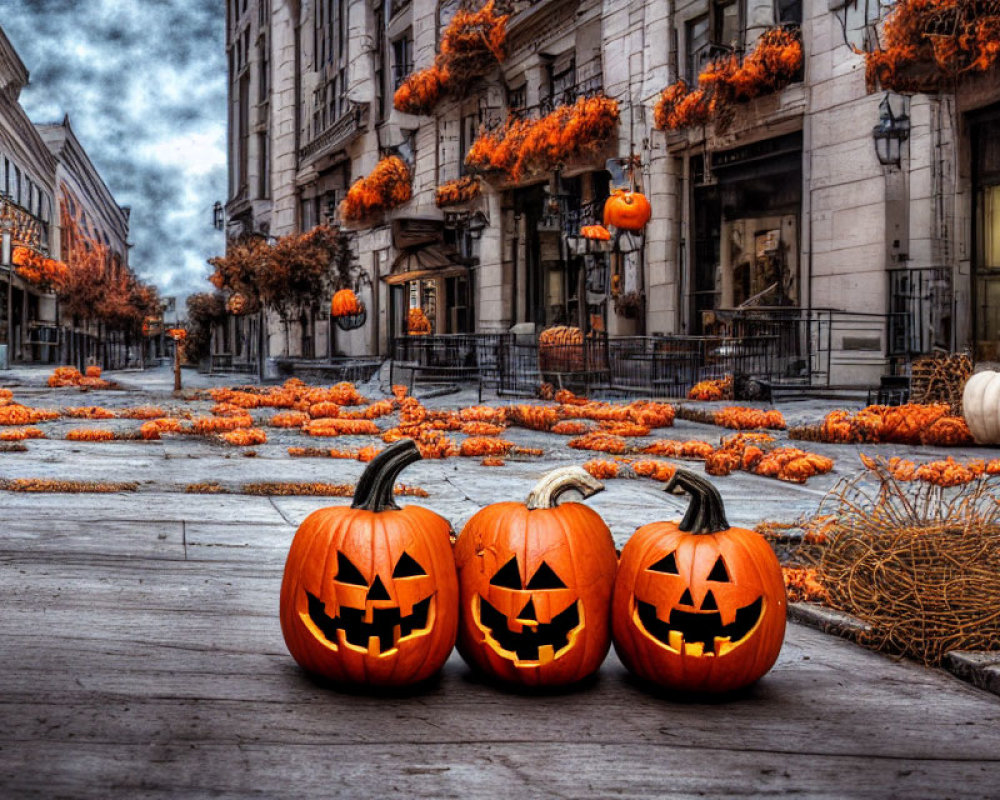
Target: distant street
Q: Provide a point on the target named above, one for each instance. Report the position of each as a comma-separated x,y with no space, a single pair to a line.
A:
141,654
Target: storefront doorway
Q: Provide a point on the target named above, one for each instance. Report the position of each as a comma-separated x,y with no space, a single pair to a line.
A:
985,131
747,204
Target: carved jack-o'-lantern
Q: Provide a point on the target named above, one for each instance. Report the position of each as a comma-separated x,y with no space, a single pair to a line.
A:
535,581
370,593
698,605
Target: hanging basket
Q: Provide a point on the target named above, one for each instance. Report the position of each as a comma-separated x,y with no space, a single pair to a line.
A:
350,322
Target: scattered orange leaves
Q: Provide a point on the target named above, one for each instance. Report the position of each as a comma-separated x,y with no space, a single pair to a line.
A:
244,437
717,389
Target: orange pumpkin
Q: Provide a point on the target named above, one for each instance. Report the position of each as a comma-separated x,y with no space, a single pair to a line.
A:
345,303
369,594
535,585
698,605
629,211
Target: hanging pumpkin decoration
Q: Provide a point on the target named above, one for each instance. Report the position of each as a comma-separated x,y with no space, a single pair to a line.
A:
369,594
981,406
698,605
345,303
629,211
535,584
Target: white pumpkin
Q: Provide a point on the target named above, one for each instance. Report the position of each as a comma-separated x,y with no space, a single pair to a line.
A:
981,406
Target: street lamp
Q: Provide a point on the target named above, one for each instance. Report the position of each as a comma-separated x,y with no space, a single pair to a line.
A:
218,216
5,254
889,134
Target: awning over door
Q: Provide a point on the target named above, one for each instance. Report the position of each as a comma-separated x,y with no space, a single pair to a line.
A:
430,261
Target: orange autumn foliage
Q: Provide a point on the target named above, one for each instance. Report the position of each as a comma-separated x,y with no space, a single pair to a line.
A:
244,437
333,426
602,469
485,446
384,188
461,190
20,434
742,418
89,435
523,147
15,414
717,389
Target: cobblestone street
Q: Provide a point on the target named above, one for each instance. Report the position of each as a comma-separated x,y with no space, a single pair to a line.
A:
142,654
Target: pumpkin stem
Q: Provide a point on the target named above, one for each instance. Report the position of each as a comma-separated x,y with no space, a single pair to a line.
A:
563,485
705,513
374,491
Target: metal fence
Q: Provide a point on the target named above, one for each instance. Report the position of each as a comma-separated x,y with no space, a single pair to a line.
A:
762,348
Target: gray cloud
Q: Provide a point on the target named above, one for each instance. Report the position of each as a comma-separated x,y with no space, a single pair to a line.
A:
144,84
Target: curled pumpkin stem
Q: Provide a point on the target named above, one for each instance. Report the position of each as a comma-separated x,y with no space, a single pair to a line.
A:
567,484
706,512
374,491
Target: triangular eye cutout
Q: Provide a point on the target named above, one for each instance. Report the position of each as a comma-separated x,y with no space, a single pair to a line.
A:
686,598
709,604
719,572
545,578
347,572
667,565
407,567
508,576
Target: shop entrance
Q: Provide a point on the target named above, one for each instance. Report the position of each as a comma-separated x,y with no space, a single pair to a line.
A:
986,284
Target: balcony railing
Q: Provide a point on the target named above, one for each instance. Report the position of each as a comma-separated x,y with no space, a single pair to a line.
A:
590,87
336,135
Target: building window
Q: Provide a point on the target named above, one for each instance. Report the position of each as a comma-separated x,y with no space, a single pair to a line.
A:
264,69
696,46
517,100
263,167
402,59
788,12
726,28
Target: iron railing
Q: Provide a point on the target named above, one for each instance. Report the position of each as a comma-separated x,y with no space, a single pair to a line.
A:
920,310
762,348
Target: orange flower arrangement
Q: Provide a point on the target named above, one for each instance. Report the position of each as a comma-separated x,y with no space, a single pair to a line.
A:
244,437
151,430
489,414
417,323
141,412
803,586
529,146
341,427
679,107
913,423
15,414
598,440
203,426
47,274
674,449
481,429
929,42
947,472
420,91
71,376
89,435
471,45
485,446
774,63
537,418
289,419
570,427
458,191
20,434
88,412
602,469
719,389
741,418
386,187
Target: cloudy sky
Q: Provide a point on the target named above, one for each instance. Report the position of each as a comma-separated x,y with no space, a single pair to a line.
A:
144,84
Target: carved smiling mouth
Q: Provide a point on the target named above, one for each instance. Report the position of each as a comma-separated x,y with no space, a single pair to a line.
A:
387,627
537,643
698,633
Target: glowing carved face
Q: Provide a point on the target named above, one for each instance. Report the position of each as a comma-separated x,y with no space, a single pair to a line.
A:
525,636
365,616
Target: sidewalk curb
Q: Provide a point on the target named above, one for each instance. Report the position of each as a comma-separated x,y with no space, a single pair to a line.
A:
979,668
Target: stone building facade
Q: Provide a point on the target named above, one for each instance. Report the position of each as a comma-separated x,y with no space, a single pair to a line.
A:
85,204
785,206
27,205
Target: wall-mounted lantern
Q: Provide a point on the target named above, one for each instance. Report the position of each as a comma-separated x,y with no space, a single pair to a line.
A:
890,133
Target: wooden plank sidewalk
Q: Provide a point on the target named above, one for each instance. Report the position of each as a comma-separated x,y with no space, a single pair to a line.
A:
141,656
